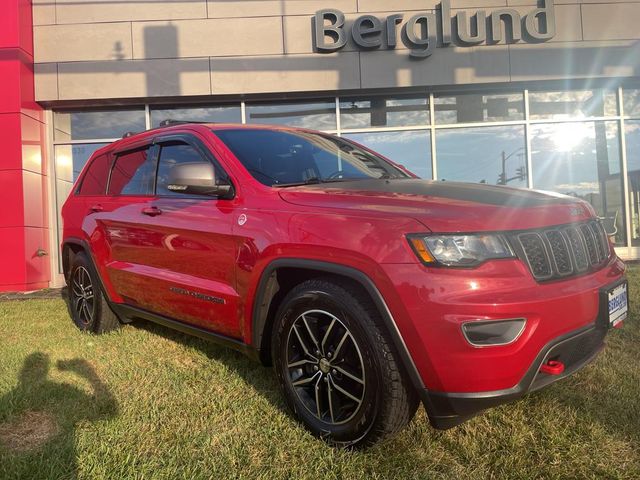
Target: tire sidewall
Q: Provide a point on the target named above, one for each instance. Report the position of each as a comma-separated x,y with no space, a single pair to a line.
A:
355,429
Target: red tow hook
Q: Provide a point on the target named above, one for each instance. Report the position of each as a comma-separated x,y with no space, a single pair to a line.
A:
552,367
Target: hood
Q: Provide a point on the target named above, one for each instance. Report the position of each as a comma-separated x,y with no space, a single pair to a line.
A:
445,206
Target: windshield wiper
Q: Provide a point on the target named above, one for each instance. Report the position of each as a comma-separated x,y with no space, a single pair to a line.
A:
308,181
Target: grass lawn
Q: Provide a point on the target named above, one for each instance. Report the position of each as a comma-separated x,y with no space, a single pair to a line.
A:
146,402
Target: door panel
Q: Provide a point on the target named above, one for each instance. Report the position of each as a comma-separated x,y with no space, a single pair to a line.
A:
179,263
174,254
114,219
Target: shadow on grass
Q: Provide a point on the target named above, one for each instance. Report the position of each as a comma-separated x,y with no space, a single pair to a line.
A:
602,408
38,418
469,443
252,372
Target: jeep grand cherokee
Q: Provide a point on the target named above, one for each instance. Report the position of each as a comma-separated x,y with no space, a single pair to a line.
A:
368,289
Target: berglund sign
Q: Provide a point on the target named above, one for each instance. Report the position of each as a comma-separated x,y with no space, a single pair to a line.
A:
423,32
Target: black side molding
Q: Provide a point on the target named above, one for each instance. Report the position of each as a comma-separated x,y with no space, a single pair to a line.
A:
132,313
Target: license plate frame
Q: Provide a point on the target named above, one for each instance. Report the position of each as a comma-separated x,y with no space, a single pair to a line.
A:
616,302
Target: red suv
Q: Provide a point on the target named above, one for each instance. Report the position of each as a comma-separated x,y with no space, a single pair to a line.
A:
368,289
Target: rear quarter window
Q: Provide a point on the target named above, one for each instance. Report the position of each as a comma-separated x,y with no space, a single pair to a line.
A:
94,181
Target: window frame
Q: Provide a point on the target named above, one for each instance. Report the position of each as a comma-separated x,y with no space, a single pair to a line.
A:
153,152
390,164
85,170
206,154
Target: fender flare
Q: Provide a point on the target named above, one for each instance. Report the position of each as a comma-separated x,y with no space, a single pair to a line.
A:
87,250
259,313
79,243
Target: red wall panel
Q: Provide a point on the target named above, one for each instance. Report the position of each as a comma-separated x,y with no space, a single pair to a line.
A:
23,181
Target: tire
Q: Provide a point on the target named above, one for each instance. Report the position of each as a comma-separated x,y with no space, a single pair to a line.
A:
87,304
336,365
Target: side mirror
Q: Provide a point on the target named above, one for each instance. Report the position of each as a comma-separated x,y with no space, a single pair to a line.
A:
197,178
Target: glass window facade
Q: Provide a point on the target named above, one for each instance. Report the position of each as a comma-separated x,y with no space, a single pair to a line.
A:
494,155
97,124
222,114
582,159
567,141
315,115
405,111
632,134
572,104
407,148
631,101
477,107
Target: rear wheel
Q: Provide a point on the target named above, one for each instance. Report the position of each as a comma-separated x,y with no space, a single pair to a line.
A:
87,304
336,365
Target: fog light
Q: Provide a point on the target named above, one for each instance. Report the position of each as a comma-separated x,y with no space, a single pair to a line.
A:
493,333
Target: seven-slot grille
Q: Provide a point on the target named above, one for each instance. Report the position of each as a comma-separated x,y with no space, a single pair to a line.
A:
563,251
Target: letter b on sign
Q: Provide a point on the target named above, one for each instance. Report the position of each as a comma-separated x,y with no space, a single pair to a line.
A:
329,24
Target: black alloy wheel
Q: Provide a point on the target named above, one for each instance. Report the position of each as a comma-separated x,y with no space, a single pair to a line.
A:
325,367
336,364
82,295
86,302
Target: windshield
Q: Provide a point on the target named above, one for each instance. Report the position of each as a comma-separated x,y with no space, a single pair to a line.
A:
283,158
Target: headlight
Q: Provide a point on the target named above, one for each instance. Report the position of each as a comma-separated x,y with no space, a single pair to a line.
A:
460,250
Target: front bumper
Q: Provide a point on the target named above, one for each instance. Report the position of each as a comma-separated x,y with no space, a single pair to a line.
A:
566,321
431,305
574,350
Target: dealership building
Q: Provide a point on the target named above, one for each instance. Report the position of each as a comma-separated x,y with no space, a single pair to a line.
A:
525,93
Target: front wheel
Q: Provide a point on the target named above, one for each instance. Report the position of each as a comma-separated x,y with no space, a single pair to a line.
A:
336,365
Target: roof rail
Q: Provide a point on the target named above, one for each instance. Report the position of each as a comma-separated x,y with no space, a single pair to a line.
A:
166,123
171,121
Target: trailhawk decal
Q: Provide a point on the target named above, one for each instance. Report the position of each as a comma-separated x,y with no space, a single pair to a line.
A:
199,296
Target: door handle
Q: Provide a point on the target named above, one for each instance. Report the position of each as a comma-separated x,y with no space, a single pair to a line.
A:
151,211
96,208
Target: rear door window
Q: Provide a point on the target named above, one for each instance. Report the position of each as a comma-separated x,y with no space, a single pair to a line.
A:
133,173
94,181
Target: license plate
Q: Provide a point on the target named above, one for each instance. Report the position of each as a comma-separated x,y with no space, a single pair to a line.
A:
618,304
